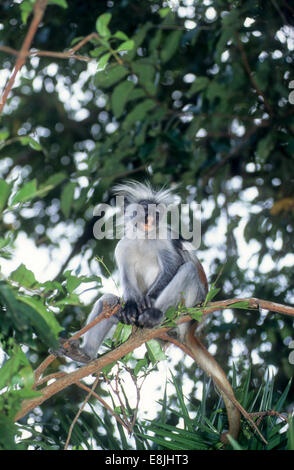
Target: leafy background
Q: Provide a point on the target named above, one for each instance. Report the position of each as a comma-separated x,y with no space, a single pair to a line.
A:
196,93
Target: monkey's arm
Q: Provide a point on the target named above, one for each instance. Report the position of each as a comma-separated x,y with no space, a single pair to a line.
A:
169,262
135,301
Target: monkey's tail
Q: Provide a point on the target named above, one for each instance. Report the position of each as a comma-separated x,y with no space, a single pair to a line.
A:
209,365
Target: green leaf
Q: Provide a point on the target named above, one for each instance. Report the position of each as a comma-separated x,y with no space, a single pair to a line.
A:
170,46
71,299
27,375
4,133
154,350
72,281
26,7
8,431
23,276
66,199
200,83
126,46
141,364
98,51
234,444
290,434
138,113
4,242
163,12
211,294
54,180
264,148
4,193
244,304
121,35
110,76
102,24
27,192
146,74
37,305
27,140
120,97
12,305
27,394
60,3
122,332
103,61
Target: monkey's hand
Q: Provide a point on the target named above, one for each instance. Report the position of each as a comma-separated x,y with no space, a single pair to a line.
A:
129,313
134,309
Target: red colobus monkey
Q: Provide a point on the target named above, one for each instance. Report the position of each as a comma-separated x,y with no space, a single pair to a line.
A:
158,269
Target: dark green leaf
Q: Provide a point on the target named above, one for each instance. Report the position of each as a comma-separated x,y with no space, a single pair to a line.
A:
120,96
67,197
110,76
155,352
138,113
5,189
170,46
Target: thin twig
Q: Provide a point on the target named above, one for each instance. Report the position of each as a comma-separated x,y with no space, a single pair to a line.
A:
79,412
55,375
43,366
103,402
39,9
250,74
262,414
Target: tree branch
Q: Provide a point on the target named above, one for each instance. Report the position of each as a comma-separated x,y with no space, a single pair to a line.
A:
250,74
39,9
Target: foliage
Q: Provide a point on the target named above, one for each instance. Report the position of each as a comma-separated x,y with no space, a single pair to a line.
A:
178,92
185,427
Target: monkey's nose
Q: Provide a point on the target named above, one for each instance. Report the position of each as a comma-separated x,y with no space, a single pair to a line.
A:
149,222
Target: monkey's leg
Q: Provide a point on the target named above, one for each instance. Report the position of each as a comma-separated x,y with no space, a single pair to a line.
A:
94,337
185,285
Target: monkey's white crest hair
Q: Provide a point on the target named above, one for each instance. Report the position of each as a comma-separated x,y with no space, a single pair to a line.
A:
135,192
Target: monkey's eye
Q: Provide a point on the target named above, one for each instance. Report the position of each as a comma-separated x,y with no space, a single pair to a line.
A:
135,213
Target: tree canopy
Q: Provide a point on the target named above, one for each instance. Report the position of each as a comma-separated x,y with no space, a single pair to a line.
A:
197,94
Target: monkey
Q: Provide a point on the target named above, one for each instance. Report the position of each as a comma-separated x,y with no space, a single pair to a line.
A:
158,269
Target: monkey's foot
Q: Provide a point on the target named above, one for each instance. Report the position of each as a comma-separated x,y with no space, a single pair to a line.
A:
150,318
72,350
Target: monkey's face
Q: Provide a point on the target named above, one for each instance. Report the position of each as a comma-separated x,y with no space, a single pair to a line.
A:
143,217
